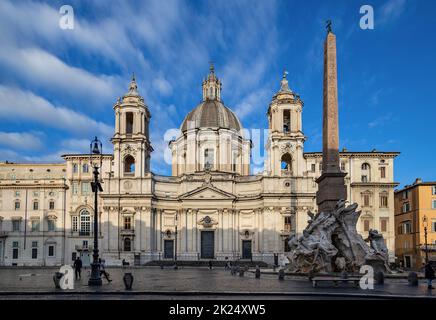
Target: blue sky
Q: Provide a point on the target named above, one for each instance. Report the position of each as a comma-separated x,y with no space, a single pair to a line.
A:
57,87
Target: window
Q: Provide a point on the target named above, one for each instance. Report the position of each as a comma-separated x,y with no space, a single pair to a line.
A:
406,207
15,250
127,223
288,224
405,194
51,250
342,166
286,121
365,166
313,166
35,225
366,198
75,168
51,225
433,190
75,187
286,163
34,249
127,244
74,223
433,226
85,168
51,205
85,223
383,200
129,123
383,225
85,244
407,227
366,225
16,224
382,172
85,188
320,166
17,205
73,256
35,205
364,178
208,158
433,204
129,165
234,161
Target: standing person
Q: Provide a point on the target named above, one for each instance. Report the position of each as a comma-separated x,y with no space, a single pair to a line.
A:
429,275
210,264
103,270
78,268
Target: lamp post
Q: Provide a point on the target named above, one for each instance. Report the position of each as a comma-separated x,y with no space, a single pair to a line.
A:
96,149
425,224
175,242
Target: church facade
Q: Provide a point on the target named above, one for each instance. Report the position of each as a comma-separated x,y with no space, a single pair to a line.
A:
211,207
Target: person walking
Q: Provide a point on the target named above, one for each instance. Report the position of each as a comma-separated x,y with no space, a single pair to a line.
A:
103,270
78,268
429,275
210,264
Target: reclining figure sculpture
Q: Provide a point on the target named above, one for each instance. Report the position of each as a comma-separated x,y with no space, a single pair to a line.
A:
331,243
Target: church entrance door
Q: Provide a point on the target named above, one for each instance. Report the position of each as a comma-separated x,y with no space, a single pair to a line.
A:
246,249
168,249
207,245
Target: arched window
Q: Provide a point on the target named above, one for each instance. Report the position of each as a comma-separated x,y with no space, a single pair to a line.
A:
286,121
211,92
366,166
129,165
75,168
366,172
286,162
85,223
129,122
127,244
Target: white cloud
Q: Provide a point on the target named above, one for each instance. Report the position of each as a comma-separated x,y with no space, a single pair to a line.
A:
19,106
392,10
382,120
44,70
163,86
20,140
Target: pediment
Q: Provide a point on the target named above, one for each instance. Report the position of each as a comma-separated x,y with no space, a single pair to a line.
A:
207,193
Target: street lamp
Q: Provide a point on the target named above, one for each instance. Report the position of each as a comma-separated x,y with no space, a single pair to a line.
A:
425,224
96,149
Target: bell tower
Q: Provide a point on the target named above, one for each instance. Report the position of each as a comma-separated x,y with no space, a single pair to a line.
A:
131,140
285,139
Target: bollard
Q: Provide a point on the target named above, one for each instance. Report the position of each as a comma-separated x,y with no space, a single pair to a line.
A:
281,274
379,277
257,273
56,278
412,278
128,280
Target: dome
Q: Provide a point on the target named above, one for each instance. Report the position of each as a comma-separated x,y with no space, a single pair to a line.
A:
211,114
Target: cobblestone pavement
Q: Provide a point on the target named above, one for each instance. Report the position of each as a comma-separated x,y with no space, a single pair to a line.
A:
193,282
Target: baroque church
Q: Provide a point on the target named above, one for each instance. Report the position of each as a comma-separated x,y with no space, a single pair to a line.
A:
210,208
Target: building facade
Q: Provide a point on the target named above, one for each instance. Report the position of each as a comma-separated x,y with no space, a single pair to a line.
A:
211,207
415,209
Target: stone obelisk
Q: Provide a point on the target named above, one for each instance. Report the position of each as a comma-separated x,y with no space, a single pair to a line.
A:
331,184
